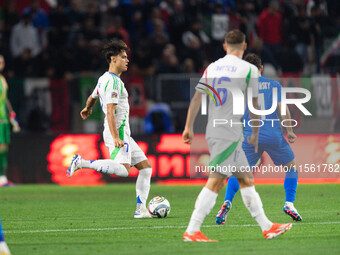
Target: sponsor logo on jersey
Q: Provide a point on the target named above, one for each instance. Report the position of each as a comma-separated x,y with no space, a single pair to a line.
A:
114,95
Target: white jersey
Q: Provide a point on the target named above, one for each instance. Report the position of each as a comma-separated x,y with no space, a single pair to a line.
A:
223,75
111,90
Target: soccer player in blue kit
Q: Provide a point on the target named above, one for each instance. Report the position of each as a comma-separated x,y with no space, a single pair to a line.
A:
270,140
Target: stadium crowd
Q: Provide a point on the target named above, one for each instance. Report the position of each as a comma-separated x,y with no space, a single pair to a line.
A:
165,36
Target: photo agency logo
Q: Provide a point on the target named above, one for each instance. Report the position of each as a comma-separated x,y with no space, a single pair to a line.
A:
222,94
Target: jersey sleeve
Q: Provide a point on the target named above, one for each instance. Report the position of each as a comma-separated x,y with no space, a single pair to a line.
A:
95,93
203,82
253,80
112,90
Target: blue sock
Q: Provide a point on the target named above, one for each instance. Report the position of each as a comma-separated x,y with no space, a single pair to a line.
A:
2,238
290,185
232,187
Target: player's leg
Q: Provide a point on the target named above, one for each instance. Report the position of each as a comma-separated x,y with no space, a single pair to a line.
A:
143,179
105,166
119,164
282,154
5,138
290,186
3,246
252,201
233,185
204,203
3,164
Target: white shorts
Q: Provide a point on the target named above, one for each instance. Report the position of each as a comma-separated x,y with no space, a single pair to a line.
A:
130,153
226,156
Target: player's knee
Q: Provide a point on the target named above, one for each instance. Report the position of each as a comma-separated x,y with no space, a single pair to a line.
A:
142,165
127,167
215,184
290,165
246,182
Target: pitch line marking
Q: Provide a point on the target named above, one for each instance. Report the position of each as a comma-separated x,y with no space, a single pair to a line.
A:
138,228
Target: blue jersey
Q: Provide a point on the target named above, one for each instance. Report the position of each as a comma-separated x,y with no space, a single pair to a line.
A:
271,131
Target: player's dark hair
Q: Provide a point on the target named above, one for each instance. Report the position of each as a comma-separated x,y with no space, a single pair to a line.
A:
253,59
113,48
235,37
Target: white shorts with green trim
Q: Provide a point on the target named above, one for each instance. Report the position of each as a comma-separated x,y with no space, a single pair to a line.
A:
130,153
226,157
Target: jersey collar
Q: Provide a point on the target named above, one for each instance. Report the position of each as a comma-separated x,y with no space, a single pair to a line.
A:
114,74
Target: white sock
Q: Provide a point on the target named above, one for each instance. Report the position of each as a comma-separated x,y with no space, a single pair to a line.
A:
143,184
253,202
3,179
204,203
106,166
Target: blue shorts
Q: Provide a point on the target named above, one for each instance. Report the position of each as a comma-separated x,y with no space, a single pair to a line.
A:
280,153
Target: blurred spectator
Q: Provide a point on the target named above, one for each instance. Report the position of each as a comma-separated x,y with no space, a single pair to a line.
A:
317,37
118,31
76,18
320,4
25,37
270,27
133,18
169,62
285,57
89,31
178,23
11,17
60,26
195,41
188,66
301,33
38,15
219,26
39,20
265,54
159,38
93,13
142,60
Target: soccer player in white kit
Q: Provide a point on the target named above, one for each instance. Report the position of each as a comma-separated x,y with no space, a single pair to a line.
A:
124,151
224,140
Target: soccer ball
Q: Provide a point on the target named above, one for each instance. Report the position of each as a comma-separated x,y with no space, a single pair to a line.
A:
159,207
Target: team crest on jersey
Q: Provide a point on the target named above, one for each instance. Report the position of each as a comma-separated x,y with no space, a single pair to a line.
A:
114,95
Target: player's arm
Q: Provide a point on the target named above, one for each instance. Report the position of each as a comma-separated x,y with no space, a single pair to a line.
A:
253,83
90,102
12,117
192,113
287,118
253,139
111,119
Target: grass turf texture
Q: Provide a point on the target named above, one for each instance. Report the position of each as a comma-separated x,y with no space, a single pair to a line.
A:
50,219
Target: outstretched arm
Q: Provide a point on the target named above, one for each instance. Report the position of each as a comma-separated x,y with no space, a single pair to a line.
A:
192,113
86,112
290,133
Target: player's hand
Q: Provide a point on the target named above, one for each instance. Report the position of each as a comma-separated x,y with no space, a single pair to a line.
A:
253,140
118,143
187,136
16,127
14,122
85,113
291,137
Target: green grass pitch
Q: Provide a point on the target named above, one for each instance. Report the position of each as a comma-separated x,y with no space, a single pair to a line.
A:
50,219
